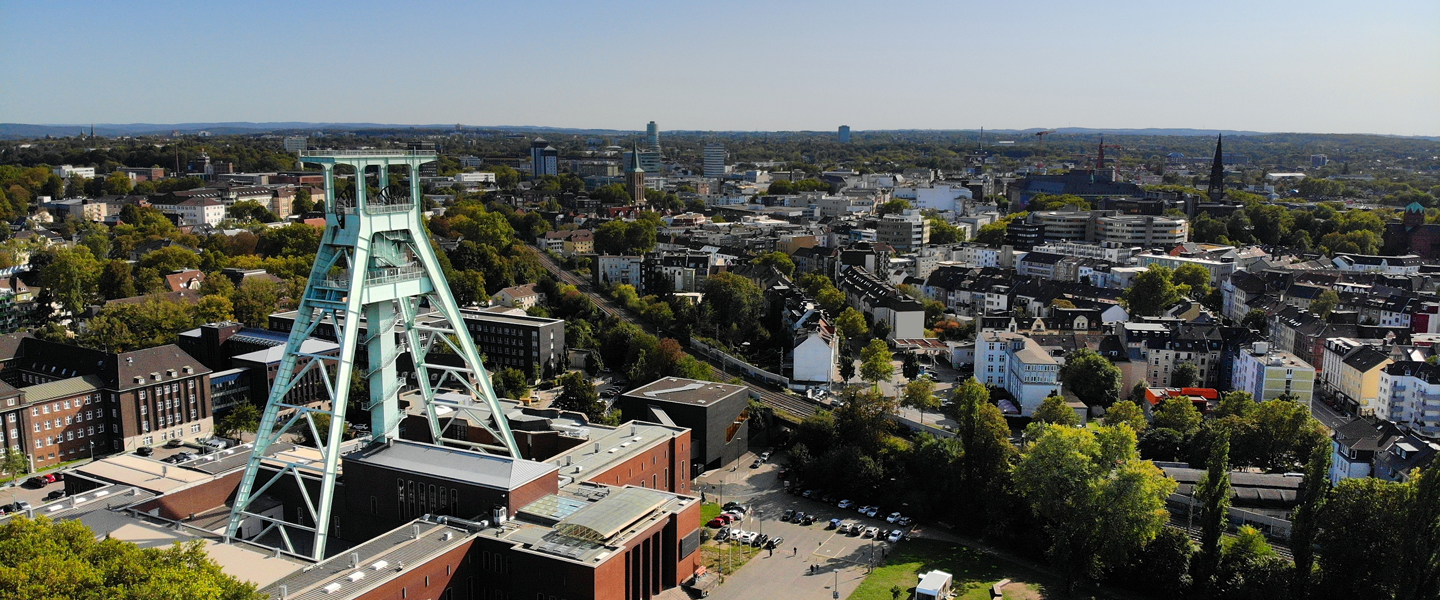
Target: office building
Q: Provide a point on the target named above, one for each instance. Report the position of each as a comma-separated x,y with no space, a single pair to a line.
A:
906,232
429,169
844,134
66,172
534,345
544,159
1020,366
652,137
715,414
714,160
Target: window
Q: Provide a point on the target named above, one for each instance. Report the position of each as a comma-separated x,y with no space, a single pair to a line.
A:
67,404
46,409
195,428
100,428
37,428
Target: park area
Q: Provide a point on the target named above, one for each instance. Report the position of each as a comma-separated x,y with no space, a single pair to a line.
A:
974,573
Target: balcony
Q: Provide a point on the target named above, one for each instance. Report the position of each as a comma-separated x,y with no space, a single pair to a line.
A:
340,279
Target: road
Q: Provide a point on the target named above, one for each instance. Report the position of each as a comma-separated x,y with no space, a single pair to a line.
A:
794,406
1328,416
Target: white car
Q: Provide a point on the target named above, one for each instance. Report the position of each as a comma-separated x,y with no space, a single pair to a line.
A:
870,532
749,537
846,504
895,536
872,511
895,516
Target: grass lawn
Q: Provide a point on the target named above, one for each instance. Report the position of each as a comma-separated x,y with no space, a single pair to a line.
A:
974,572
726,558
708,510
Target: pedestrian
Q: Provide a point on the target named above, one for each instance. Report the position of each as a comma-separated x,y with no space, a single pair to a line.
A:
795,551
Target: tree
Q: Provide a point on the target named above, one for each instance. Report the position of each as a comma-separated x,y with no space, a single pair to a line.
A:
896,206
295,239
992,234
1098,503
511,383
877,363
213,309
736,298
1193,275
65,559
1177,414
118,182
1255,319
1420,574
909,366
1311,501
1128,413
847,366
577,394
254,300
1213,494
1358,533
116,280
780,260
1151,292
851,324
943,232
250,210
1325,303
245,417
72,277
1091,377
1184,375
1053,410
302,203
919,394
1249,569
14,463
170,258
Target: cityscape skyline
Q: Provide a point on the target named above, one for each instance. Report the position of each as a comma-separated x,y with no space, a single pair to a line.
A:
1325,67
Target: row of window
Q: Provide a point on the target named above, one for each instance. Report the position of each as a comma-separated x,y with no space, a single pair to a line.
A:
69,436
46,409
78,418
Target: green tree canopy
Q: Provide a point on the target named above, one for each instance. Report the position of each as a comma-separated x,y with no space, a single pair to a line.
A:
1151,292
1053,410
1091,377
877,363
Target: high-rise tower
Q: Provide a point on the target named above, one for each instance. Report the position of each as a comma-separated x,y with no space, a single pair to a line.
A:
635,177
1216,190
544,159
375,271
714,160
844,134
652,137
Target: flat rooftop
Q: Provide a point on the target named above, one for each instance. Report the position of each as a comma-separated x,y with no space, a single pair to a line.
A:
455,464
143,473
608,447
685,391
587,523
381,560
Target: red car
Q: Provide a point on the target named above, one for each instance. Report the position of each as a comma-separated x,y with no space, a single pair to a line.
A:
50,478
717,522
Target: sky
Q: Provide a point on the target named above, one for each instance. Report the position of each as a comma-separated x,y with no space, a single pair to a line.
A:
1320,66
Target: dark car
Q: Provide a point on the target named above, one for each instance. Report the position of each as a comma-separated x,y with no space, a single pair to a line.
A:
37,481
782,473
760,540
829,499
144,451
175,443
789,512
808,520
55,495
774,542
797,517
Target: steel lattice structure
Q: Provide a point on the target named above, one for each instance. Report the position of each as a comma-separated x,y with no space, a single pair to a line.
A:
375,261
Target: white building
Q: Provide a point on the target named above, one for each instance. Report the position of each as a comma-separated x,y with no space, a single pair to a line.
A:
1114,253
616,270
943,196
1019,365
975,255
1268,373
1220,270
714,160
1389,265
476,177
815,351
196,210
1410,397
66,172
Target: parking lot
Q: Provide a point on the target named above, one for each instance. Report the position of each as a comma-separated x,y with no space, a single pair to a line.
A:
836,559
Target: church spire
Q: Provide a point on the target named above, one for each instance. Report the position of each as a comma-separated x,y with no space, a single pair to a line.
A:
1217,173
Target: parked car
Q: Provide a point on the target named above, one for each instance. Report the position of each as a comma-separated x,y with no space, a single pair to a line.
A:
870,532
809,519
17,506
862,509
175,443
834,524
872,511
829,499
217,444
759,540
37,481
765,456
55,495
722,534
905,521
808,493
846,503
749,537
735,506
717,522
782,473
735,516
895,516
756,464
799,516
144,451
895,536
789,512
774,542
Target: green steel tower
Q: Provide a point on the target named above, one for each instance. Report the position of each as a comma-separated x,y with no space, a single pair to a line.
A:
375,270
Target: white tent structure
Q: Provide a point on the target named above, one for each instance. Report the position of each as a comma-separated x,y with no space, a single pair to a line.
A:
934,585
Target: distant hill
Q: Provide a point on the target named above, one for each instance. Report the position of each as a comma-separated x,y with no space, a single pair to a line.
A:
26,131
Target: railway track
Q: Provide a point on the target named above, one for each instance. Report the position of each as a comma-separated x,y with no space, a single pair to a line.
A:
794,406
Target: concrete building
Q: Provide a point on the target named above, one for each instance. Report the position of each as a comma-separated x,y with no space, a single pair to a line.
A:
1220,269
844,136
1019,365
1141,230
715,414
1351,372
617,270
1409,396
534,345
1268,373
904,315
905,232
714,160
66,172
1113,253
544,159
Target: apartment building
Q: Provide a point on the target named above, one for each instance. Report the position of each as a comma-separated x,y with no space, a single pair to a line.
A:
1268,373
905,232
904,315
1409,395
1351,373
1019,365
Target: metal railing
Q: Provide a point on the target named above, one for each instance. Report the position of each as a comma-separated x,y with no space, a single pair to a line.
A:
394,274
337,281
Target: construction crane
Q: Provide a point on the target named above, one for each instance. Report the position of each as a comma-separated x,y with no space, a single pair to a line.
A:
1040,135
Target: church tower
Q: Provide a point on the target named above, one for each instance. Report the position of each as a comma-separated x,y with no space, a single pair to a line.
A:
635,177
1217,174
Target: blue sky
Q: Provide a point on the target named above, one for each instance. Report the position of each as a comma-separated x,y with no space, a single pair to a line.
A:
1317,66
